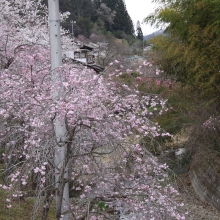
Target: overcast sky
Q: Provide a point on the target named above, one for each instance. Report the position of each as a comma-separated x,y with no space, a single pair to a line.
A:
138,10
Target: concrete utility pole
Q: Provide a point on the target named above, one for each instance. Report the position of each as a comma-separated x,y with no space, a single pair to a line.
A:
72,34
60,152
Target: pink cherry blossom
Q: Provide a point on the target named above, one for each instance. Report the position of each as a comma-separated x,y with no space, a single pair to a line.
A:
103,119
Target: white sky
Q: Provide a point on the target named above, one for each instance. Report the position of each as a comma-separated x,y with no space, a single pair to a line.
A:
138,10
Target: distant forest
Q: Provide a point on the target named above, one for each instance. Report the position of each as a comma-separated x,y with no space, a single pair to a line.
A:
106,17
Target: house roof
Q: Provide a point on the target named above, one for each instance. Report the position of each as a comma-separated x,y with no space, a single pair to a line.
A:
95,67
87,47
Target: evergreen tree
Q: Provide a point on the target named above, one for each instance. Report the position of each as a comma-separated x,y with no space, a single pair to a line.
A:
107,15
77,8
122,20
139,33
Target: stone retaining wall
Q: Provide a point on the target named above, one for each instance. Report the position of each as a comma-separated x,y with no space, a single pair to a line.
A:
205,179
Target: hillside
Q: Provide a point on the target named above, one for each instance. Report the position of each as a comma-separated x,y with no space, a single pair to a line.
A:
152,35
106,17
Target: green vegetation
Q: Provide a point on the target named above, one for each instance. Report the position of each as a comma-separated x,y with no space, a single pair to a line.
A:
189,50
139,31
182,101
98,17
21,209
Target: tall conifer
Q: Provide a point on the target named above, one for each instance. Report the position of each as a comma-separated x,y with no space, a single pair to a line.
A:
139,33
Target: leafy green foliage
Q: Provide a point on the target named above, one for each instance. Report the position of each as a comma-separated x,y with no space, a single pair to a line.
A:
102,205
182,101
189,51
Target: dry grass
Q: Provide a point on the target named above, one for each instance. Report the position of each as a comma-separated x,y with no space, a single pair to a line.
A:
21,209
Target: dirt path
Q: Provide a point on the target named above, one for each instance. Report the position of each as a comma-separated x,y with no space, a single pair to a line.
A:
197,209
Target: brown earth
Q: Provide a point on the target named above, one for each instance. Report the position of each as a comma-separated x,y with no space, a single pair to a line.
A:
193,204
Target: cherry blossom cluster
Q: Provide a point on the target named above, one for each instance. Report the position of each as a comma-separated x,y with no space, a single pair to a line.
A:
131,183
102,119
212,123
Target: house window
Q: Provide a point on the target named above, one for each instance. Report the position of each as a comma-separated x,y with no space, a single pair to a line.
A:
90,58
83,55
76,55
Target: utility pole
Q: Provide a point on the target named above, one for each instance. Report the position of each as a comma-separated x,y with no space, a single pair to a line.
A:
60,149
72,34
